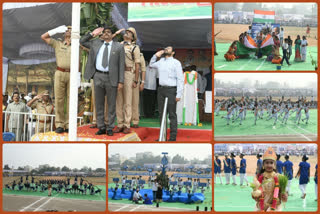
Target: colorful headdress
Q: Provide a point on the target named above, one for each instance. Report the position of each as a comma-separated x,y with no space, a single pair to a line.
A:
270,154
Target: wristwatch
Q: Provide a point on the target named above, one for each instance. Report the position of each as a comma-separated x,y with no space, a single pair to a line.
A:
142,81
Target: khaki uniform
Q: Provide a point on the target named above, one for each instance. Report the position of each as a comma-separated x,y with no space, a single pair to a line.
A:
124,96
61,82
136,93
43,123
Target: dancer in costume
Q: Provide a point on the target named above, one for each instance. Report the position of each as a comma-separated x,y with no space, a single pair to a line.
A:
288,171
297,49
229,114
279,164
304,44
299,113
306,111
230,55
233,169
286,115
268,194
304,173
274,114
217,169
226,168
243,166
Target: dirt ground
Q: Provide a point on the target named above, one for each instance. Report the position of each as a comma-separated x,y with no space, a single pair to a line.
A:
94,180
115,174
252,163
231,32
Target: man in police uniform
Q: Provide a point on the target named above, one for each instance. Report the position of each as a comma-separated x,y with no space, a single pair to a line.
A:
43,106
136,93
131,78
62,74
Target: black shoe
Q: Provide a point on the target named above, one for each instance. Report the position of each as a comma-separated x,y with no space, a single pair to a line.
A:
101,131
66,130
110,132
59,130
172,139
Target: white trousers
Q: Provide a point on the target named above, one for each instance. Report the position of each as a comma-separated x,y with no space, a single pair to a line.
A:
227,175
303,188
243,176
234,179
288,186
215,177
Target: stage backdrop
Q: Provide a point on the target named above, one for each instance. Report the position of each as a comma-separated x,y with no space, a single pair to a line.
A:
202,58
168,11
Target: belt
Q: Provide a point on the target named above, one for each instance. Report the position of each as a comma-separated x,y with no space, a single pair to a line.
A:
42,121
103,72
62,69
128,68
164,86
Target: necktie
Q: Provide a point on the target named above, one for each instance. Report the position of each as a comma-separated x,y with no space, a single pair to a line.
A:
105,59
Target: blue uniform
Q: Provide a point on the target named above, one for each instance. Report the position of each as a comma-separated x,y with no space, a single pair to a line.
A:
217,168
234,167
243,168
288,166
227,168
304,175
259,164
316,178
279,166
115,196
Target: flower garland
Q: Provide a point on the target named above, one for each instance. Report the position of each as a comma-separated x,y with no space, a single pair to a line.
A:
193,79
275,194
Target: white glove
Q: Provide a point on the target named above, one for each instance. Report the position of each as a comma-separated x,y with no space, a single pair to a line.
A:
60,29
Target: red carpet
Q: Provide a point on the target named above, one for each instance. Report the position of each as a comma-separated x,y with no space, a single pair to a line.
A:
149,134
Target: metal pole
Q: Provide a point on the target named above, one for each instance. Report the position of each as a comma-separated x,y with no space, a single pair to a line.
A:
73,101
163,127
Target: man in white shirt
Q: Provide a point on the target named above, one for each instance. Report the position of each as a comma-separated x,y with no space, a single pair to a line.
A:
285,47
137,197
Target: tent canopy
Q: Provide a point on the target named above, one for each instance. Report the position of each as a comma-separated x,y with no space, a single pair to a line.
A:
23,24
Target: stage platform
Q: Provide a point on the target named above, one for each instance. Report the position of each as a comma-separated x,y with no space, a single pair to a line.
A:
148,134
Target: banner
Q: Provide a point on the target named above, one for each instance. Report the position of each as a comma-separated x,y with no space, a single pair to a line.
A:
138,12
192,176
257,27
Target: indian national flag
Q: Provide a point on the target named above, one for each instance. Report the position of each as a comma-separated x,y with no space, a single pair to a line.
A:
249,42
267,41
261,16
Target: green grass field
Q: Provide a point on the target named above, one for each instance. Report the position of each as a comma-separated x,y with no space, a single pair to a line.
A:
207,202
154,123
236,198
252,64
264,127
96,197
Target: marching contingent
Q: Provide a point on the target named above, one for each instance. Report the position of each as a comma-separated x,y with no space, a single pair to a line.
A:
267,108
54,185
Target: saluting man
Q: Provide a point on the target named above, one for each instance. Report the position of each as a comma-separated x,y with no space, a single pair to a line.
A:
43,106
62,74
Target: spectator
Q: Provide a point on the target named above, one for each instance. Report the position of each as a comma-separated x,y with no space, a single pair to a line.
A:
15,120
137,197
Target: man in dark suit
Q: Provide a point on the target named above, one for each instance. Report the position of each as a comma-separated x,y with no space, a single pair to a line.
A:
106,65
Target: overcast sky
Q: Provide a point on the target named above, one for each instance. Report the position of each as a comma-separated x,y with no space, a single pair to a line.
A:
58,155
189,151
293,79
